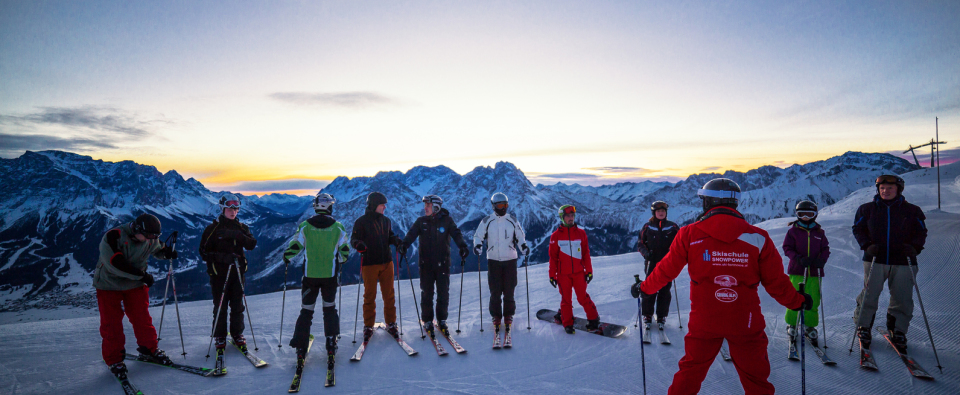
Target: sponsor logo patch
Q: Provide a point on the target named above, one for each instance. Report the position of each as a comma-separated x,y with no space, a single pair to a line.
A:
442,229
706,256
726,295
725,281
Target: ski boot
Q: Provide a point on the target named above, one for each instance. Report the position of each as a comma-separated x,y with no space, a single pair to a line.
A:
660,325
367,332
899,340
157,356
507,323
240,342
442,326
569,329
557,318
864,334
220,342
647,320
593,324
119,369
393,330
428,327
496,324
810,332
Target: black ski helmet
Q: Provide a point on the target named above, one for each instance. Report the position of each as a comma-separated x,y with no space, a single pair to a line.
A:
890,179
434,200
323,203
808,207
500,199
719,192
375,199
659,204
147,225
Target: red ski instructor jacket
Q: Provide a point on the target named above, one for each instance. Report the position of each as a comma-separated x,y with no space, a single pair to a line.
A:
728,259
569,252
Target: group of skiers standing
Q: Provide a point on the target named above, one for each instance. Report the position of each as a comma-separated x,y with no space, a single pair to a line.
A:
726,258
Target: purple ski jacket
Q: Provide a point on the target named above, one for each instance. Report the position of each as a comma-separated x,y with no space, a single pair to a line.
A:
801,242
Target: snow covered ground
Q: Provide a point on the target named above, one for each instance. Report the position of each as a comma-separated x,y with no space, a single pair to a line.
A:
63,356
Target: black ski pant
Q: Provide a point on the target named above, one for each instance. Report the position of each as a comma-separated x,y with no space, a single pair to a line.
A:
502,278
233,302
326,289
430,278
661,299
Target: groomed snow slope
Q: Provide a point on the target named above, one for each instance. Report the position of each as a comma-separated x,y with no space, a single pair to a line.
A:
64,356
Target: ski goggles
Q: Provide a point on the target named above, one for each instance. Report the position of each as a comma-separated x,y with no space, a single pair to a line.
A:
232,204
806,214
151,236
888,179
569,210
501,205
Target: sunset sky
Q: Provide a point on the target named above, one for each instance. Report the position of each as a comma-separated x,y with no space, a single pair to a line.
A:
285,96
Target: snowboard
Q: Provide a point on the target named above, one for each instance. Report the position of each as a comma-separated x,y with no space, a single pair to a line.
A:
580,324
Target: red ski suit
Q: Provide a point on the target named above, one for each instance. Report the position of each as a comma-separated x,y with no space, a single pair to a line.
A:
728,258
569,263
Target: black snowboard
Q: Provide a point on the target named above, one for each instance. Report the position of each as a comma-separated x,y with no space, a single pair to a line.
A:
580,324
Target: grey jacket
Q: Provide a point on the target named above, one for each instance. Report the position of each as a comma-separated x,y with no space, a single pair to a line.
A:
123,260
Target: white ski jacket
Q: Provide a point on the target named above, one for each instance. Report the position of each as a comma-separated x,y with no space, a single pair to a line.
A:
503,234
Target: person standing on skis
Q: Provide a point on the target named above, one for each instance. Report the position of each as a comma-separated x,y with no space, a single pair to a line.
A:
221,247
807,247
503,233
728,259
122,285
435,229
323,240
570,268
372,237
891,233
654,243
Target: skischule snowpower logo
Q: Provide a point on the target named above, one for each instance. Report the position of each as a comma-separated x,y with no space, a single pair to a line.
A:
726,295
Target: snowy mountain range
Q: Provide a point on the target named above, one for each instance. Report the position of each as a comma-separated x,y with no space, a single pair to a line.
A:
55,207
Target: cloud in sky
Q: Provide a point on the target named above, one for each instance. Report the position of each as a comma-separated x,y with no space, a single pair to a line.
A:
350,100
297,184
13,144
103,119
712,168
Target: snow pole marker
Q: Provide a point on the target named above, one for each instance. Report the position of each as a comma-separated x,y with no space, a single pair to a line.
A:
526,279
216,319
460,304
922,310
863,293
415,303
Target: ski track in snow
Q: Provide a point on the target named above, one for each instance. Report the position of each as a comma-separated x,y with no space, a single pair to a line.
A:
544,360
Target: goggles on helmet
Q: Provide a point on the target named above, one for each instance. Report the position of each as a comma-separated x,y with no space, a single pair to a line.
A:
501,205
232,204
806,214
569,210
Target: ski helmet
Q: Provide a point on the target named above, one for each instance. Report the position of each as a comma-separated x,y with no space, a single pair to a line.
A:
719,192
890,179
147,225
657,205
500,203
566,209
229,200
434,200
806,210
375,199
323,203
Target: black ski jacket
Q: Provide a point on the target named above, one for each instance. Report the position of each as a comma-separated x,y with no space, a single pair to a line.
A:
435,232
655,239
223,241
372,237
890,225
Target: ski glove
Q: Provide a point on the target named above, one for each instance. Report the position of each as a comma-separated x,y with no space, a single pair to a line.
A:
477,249
524,249
818,263
147,279
464,252
553,282
910,250
637,292
873,250
588,277
807,303
808,261
402,249
360,246
169,252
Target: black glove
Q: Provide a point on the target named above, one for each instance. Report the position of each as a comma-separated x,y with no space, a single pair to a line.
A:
402,249
873,250
910,250
464,252
645,255
397,242
588,277
637,292
477,249
286,261
360,246
524,249
806,261
807,302
553,282
818,263
169,252
147,279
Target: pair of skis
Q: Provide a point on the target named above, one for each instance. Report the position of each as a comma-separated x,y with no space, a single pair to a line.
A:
130,389
507,337
868,362
647,338
330,380
431,333
357,356
794,355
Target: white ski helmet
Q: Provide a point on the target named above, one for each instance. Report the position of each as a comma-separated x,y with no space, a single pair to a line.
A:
435,200
229,200
323,203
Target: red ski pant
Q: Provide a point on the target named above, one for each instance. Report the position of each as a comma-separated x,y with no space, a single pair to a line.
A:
113,305
579,285
749,354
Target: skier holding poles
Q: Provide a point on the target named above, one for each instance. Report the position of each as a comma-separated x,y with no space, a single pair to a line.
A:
654,243
808,249
324,241
372,237
503,234
727,259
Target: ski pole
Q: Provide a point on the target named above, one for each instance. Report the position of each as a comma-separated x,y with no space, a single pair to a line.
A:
247,308
676,297
643,357
863,295
415,303
646,266
802,325
929,333
166,287
460,304
283,304
823,320
526,279
216,318
176,303
397,291
480,287
356,312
